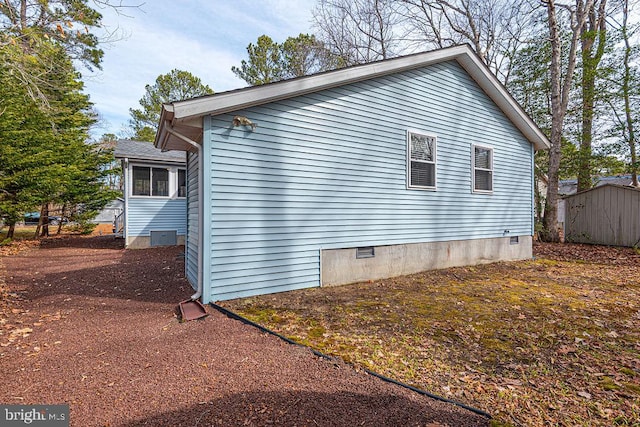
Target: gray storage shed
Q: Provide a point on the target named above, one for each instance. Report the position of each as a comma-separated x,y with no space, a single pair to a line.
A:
605,215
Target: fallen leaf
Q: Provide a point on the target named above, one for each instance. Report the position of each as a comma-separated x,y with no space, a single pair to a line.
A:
565,349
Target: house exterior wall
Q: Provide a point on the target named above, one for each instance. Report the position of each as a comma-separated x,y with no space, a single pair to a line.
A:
146,214
329,171
110,212
606,215
191,249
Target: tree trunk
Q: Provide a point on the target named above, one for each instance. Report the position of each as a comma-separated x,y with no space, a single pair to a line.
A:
550,232
560,88
626,80
11,231
594,31
588,99
44,220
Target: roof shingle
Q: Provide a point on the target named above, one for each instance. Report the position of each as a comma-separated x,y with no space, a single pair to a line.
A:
140,150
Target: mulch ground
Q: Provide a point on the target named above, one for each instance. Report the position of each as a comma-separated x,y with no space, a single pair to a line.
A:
87,323
552,341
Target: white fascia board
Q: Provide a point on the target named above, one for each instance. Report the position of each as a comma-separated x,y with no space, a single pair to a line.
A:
162,135
191,111
257,95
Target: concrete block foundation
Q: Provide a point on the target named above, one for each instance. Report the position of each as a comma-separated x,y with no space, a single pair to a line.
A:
341,266
143,242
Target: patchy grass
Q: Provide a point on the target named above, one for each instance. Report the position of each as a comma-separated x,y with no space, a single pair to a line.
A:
25,233
552,341
21,233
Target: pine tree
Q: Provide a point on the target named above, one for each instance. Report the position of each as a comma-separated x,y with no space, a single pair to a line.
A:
299,56
173,86
43,155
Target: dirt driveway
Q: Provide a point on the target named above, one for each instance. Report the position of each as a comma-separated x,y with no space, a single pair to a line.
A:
84,322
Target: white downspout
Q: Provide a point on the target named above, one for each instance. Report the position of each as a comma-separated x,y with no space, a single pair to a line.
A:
126,190
198,148
198,293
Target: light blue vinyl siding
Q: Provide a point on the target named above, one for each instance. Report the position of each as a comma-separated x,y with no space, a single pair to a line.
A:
155,213
191,249
328,170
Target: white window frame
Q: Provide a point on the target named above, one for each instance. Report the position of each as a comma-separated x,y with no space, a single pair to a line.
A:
434,162
173,180
473,168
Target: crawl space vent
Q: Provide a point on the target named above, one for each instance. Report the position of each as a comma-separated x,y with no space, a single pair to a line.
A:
164,238
365,252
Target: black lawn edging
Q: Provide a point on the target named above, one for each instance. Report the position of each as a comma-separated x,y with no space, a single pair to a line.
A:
236,316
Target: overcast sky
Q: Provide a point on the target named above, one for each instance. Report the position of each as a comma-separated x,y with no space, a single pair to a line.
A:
204,37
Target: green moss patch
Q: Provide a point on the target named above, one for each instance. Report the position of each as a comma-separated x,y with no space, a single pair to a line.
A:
544,342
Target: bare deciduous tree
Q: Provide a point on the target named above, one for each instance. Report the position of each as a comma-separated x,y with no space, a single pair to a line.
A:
494,28
358,31
626,93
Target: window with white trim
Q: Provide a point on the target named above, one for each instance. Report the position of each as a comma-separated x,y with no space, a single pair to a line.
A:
158,182
482,166
421,160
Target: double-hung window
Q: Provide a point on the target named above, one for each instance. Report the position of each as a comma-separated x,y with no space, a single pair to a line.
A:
421,160
482,166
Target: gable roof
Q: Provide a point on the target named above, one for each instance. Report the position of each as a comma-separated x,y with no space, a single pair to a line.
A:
181,121
139,150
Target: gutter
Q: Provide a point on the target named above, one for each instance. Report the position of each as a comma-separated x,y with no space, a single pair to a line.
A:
198,148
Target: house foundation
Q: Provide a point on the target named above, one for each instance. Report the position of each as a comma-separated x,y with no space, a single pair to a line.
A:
343,266
144,242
